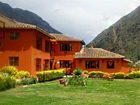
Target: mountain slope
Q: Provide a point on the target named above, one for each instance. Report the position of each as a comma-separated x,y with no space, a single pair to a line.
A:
122,37
26,17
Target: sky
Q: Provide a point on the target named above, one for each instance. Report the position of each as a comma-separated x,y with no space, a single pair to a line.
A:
83,19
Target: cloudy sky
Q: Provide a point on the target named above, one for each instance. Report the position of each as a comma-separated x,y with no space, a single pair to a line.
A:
83,19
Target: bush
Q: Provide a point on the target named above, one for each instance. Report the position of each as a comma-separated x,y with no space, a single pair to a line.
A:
77,80
7,82
22,74
119,75
96,74
50,75
10,70
77,71
133,74
27,81
85,72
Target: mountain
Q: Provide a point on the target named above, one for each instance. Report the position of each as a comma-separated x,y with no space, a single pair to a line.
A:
122,37
25,17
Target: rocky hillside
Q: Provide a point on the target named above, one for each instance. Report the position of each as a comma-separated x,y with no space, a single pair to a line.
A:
122,37
26,17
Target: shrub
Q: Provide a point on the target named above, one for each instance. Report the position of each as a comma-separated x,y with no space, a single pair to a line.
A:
77,80
22,74
85,72
119,75
10,70
77,71
27,81
7,82
49,75
133,74
96,74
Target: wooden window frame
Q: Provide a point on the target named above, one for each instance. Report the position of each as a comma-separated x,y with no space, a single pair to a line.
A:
13,61
92,64
38,64
14,35
47,46
65,47
109,65
39,42
65,64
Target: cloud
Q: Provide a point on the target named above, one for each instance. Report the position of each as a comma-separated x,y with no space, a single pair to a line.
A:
79,18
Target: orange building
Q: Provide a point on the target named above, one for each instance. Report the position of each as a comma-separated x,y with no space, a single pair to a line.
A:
97,59
63,50
30,48
24,46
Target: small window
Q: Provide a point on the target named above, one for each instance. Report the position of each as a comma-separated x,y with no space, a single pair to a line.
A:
110,64
65,64
14,61
92,64
47,46
46,64
14,36
65,47
39,42
38,64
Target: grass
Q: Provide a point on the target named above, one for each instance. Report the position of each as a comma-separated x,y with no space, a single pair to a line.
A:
97,92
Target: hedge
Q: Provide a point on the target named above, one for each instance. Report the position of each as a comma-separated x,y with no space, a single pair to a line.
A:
133,74
96,74
50,75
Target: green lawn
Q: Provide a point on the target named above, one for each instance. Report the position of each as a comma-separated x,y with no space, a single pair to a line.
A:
98,92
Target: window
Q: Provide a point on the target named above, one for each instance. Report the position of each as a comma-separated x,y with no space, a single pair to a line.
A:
92,64
110,64
47,46
65,47
14,61
39,42
38,64
64,64
14,35
46,64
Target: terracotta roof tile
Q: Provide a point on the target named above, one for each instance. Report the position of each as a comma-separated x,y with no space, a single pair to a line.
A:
96,53
61,37
6,22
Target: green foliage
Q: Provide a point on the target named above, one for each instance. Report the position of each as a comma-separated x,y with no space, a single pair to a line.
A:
77,80
49,75
119,75
7,82
28,81
96,74
133,74
10,70
77,71
85,72
22,74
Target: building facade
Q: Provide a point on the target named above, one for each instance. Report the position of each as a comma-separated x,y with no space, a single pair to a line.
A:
29,48
63,50
97,59
24,46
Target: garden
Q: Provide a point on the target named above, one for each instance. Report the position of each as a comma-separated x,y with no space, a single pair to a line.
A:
82,88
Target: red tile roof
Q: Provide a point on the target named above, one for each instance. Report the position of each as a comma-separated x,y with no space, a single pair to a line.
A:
6,22
61,37
96,53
